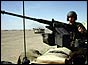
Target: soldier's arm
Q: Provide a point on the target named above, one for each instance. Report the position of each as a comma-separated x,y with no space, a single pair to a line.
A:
81,28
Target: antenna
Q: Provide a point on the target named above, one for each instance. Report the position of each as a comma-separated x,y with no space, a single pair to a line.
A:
25,60
24,30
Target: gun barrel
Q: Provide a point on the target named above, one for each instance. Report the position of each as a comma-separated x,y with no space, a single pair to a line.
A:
26,17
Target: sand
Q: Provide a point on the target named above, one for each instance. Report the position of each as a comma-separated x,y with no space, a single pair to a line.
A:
12,44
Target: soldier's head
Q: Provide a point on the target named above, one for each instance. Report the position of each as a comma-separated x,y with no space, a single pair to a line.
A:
71,16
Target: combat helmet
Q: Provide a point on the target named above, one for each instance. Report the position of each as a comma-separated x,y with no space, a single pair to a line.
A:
71,13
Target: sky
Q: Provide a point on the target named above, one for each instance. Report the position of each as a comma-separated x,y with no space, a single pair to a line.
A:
42,10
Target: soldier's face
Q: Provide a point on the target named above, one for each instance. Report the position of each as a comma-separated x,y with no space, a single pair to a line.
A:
71,19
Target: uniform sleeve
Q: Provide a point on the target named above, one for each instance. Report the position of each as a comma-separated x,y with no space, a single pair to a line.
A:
81,25
84,34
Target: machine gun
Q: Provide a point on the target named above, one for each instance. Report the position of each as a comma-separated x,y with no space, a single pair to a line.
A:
59,36
58,30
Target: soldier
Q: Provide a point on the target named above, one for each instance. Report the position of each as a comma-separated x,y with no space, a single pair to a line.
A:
78,33
76,29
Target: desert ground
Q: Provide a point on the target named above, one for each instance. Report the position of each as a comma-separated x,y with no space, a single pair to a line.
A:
12,44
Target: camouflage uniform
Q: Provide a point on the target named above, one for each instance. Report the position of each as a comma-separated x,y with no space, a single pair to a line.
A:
80,48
